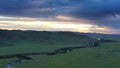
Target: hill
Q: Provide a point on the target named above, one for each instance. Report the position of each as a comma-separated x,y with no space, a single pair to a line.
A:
114,37
16,42
9,38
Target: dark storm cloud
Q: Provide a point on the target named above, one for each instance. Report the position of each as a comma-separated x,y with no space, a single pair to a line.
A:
32,8
95,10
89,9
99,11
37,8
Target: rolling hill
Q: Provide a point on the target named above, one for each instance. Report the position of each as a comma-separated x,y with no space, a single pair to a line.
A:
9,38
16,42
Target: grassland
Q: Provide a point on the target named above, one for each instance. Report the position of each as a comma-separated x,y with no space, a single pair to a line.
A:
12,42
104,56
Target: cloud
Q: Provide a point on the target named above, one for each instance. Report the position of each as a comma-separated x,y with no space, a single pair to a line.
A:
104,13
93,9
25,8
89,9
99,12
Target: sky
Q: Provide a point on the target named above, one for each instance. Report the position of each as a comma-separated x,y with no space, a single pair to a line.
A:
94,16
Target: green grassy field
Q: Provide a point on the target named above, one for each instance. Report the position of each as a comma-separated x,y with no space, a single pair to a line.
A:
105,56
12,42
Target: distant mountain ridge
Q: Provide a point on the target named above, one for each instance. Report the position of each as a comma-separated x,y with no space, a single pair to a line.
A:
104,36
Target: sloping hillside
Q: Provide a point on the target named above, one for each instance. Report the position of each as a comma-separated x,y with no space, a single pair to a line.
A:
8,38
115,37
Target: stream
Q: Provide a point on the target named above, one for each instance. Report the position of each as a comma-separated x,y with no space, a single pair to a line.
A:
25,56
12,64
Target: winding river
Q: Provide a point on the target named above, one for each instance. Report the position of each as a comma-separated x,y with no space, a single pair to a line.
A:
25,56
